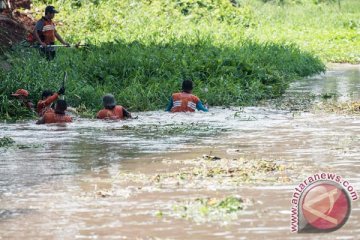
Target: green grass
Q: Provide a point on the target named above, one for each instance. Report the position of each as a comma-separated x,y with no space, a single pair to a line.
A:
141,50
142,77
317,26
324,29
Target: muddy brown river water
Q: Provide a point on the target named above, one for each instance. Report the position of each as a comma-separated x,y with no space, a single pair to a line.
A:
149,179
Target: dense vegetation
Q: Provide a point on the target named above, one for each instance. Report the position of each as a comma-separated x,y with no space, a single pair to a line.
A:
237,52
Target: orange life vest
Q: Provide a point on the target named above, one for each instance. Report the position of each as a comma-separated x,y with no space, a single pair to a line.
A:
184,102
31,38
116,113
44,105
47,35
52,117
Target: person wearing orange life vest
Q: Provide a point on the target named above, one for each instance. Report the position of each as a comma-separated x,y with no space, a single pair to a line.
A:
185,101
22,95
47,98
112,111
56,116
45,33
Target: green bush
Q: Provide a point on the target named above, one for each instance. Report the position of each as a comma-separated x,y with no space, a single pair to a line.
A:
143,76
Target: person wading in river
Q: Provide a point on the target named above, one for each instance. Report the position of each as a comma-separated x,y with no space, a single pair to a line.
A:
112,111
185,101
45,33
56,116
47,98
21,95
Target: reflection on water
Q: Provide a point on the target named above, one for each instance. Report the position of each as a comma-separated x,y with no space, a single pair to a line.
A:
50,178
342,80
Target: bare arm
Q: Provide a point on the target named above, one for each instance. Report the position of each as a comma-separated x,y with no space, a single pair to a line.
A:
58,37
37,37
48,101
126,113
41,121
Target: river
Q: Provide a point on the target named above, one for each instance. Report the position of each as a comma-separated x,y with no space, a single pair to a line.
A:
159,176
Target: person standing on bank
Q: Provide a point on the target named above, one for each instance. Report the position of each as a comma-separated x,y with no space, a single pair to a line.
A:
45,33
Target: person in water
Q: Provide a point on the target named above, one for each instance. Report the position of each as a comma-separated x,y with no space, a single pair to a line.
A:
185,101
56,116
112,111
47,98
22,96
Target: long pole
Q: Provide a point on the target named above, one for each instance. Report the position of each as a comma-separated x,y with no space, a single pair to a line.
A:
49,46
63,84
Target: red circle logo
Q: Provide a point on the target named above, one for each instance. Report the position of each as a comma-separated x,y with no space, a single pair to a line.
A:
326,206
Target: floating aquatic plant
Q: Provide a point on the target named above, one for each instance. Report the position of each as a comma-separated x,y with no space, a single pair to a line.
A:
6,141
341,108
222,210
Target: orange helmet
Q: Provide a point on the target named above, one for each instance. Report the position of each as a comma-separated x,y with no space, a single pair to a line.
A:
20,92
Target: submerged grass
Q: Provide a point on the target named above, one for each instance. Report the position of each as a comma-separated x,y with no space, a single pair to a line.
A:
180,129
222,210
351,108
226,172
6,141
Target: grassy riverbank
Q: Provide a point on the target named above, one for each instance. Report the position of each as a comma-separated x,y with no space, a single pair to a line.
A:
142,50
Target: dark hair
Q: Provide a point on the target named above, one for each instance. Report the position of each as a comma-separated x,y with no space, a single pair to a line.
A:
187,85
46,93
61,106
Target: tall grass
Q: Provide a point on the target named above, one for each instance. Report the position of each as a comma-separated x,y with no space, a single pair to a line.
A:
142,77
322,27
317,26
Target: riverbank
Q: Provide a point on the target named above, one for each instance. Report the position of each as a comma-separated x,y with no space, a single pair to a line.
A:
143,55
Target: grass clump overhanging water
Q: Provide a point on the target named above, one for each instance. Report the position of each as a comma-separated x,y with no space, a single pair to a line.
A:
143,77
141,51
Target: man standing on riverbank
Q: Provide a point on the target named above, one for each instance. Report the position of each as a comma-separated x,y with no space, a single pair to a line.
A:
45,33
